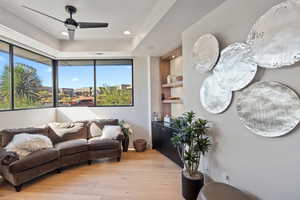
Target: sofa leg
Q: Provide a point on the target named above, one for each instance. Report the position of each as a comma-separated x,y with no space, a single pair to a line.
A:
89,162
58,171
18,188
119,159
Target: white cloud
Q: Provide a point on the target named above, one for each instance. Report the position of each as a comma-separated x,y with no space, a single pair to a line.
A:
75,79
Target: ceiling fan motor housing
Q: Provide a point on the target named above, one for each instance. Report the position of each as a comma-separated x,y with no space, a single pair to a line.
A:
71,24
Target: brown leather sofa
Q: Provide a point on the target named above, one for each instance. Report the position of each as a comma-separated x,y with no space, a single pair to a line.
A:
72,148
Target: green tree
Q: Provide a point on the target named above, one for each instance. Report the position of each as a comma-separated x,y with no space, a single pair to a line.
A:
26,85
114,96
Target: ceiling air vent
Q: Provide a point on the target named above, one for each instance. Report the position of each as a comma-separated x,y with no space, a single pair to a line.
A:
99,53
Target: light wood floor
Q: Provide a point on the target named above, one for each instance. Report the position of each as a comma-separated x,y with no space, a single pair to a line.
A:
139,176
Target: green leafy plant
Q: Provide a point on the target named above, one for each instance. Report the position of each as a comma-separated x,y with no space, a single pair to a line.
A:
191,141
126,128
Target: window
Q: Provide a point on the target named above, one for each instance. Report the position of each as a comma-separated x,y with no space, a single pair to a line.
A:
26,81
32,80
4,77
114,83
76,83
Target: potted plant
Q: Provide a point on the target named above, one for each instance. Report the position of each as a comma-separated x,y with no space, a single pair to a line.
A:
191,141
127,131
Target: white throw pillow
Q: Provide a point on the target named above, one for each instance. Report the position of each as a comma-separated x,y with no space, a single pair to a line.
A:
24,144
95,130
111,132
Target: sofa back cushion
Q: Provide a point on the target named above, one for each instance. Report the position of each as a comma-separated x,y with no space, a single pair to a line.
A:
8,134
60,132
100,123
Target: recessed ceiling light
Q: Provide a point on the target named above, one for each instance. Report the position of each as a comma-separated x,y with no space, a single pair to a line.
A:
64,33
127,32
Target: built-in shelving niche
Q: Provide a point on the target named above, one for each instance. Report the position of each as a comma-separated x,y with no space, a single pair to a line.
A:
168,89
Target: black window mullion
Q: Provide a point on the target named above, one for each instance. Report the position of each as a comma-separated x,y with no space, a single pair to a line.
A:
11,72
95,85
54,79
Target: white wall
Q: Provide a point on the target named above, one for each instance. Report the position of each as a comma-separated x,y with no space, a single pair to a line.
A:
176,69
265,167
138,115
26,118
155,85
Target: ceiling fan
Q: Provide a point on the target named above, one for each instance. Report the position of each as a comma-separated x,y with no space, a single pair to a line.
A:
70,23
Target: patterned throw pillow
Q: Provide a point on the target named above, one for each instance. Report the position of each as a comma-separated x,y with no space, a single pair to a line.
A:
95,130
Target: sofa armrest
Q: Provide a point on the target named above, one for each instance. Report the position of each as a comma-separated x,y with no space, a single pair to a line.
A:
7,157
2,155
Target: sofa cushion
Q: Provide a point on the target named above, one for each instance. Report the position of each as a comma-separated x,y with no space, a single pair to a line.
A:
60,132
33,160
102,144
8,134
101,123
111,132
95,130
72,146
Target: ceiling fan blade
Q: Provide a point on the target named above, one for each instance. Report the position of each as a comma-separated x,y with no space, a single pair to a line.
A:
92,25
36,11
71,34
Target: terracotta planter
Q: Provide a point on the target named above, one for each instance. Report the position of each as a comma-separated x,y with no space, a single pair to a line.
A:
191,186
125,144
140,145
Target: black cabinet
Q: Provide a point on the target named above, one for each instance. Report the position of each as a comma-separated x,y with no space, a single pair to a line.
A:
161,141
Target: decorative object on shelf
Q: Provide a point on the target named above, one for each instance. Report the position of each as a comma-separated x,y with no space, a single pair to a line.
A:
191,140
167,119
269,109
275,37
127,131
170,79
214,99
235,69
156,116
179,78
140,145
206,53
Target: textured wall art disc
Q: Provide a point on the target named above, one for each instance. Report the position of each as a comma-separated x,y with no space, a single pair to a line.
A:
206,53
213,98
235,68
269,109
275,37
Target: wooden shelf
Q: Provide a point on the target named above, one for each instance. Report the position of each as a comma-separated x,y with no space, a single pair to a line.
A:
176,101
173,85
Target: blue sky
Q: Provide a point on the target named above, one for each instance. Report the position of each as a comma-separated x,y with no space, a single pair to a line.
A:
76,76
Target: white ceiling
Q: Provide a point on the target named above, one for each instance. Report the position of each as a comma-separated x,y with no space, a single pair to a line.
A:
120,14
156,25
167,33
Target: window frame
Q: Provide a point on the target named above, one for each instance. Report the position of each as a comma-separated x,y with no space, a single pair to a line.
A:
55,81
95,83
10,65
12,68
132,84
